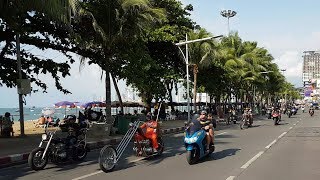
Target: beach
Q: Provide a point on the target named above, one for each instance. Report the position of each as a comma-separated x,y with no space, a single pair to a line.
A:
29,128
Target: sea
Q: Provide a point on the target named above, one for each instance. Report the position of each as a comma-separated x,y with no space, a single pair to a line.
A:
36,112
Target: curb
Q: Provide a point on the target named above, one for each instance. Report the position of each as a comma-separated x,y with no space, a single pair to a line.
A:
15,159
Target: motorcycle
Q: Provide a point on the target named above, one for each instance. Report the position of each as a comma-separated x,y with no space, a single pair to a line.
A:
269,113
311,112
196,144
246,120
58,150
233,118
294,111
289,113
276,117
109,156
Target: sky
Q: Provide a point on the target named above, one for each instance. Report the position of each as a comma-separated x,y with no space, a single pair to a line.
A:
285,28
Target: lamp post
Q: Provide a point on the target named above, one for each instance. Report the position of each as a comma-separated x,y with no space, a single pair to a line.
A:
228,14
285,95
186,58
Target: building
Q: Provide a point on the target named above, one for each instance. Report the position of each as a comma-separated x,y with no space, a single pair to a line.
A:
311,66
311,74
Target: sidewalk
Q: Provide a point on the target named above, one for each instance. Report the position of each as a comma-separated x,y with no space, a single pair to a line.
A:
16,149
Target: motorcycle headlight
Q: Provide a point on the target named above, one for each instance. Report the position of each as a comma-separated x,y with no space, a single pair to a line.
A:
44,136
194,139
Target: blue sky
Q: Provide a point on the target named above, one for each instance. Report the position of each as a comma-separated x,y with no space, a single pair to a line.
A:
285,27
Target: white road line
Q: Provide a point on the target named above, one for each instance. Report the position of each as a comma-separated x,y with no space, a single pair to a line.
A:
98,172
282,135
274,141
136,160
294,124
230,178
252,160
290,127
88,175
221,133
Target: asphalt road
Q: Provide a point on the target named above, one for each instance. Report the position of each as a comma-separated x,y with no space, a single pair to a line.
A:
287,151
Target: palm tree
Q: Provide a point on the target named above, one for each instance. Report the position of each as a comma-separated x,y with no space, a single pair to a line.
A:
122,22
12,10
202,55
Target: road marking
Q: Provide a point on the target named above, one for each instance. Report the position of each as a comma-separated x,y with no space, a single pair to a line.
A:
230,178
98,172
282,135
221,133
294,124
88,175
252,160
136,160
274,141
290,127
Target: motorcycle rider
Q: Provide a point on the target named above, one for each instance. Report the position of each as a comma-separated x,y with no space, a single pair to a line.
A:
208,127
151,127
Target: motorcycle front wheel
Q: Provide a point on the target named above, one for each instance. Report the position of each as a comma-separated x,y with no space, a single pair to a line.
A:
107,158
192,157
35,160
242,124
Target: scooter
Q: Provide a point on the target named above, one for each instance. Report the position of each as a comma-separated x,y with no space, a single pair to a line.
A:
195,144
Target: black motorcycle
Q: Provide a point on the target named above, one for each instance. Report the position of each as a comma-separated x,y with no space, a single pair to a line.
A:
58,150
289,113
233,117
311,112
269,113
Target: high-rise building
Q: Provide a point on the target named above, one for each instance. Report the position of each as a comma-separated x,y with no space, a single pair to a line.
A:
311,66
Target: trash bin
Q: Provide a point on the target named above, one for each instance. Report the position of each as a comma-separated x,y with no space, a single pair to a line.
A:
123,124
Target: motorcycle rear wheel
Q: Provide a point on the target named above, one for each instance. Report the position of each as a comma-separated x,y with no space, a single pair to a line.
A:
161,147
35,156
107,158
81,152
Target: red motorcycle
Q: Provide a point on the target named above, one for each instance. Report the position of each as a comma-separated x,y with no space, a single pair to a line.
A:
276,117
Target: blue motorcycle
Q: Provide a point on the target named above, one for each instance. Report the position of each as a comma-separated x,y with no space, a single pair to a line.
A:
196,145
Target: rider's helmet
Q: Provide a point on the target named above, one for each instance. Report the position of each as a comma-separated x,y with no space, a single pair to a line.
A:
203,112
149,116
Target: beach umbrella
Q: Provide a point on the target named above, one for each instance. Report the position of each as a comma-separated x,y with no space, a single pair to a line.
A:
94,104
65,104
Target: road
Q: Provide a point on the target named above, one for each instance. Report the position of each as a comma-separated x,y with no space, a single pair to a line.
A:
287,151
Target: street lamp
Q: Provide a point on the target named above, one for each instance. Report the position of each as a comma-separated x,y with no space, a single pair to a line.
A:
186,58
228,14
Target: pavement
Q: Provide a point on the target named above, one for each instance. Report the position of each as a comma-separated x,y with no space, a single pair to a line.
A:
264,151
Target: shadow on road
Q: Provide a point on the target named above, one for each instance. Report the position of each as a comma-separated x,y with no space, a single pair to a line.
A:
224,153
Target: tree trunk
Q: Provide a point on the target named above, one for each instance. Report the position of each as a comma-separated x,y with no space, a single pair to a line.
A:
108,95
118,92
195,72
169,88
